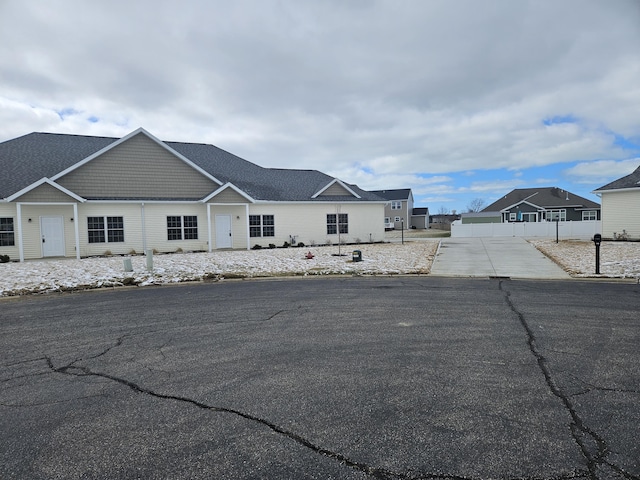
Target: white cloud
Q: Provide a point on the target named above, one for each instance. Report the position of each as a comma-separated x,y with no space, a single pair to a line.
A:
602,171
381,94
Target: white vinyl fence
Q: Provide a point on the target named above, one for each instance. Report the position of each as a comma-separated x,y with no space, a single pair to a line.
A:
565,230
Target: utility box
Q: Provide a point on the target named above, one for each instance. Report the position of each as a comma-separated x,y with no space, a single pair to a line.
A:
127,265
149,254
357,256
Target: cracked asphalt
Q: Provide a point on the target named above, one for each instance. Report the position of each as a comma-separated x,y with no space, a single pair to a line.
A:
343,378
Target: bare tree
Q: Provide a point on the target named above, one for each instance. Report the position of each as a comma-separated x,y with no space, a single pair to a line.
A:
475,205
443,210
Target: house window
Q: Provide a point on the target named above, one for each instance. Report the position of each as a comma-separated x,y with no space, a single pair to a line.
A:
589,215
105,229
397,219
182,227
262,226
337,223
7,238
513,216
396,205
554,215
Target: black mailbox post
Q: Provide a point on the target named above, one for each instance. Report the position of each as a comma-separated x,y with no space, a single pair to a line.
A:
597,239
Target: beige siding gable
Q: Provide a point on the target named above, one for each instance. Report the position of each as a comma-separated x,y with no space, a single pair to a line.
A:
228,195
45,193
138,168
335,190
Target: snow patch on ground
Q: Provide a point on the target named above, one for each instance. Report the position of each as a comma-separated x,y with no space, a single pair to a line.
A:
43,276
617,259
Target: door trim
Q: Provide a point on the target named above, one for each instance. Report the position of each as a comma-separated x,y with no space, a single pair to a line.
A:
221,235
56,237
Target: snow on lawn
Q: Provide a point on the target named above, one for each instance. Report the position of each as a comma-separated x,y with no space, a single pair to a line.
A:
70,274
617,259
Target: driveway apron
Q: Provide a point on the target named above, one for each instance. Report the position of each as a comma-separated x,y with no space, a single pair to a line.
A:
511,257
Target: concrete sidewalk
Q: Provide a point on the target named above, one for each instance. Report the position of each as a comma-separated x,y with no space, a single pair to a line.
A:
510,257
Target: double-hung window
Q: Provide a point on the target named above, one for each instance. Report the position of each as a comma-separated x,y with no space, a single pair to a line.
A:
7,236
262,226
396,205
337,223
556,215
105,229
182,227
589,215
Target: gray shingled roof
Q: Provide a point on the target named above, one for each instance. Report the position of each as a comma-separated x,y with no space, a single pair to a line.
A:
29,158
399,194
547,197
629,181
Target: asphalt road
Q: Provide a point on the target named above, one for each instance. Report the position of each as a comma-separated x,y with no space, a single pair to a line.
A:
345,378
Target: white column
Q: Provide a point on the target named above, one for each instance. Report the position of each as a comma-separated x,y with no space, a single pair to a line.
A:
77,229
20,243
209,227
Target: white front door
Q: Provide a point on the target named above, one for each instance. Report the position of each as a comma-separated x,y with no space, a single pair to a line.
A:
52,231
223,231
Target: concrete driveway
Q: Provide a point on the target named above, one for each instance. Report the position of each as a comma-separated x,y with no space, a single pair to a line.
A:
511,257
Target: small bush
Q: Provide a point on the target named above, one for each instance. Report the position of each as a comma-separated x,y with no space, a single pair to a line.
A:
300,245
178,250
256,247
107,253
272,245
4,258
286,245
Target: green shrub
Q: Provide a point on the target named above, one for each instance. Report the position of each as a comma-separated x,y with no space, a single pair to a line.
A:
4,258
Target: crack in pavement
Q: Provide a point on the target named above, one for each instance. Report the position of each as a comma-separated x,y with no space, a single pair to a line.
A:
579,430
375,472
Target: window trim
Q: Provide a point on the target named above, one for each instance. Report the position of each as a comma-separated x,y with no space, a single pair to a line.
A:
107,230
7,237
592,213
266,226
549,215
338,222
182,227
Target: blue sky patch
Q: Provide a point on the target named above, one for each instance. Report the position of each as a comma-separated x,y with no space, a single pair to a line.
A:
66,112
559,119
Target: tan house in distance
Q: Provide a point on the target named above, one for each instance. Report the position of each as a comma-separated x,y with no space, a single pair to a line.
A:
399,208
76,196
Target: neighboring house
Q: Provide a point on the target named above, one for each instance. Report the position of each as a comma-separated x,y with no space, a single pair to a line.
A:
397,212
75,196
621,207
538,205
443,221
420,218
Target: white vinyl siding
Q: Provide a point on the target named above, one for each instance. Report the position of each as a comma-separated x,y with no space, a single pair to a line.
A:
9,210
32,243
621,211
131,226
307,223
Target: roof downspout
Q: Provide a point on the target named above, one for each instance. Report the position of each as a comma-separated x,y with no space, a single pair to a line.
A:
20,244
144,230
246,215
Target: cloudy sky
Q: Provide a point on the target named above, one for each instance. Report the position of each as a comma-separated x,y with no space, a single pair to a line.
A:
456,99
